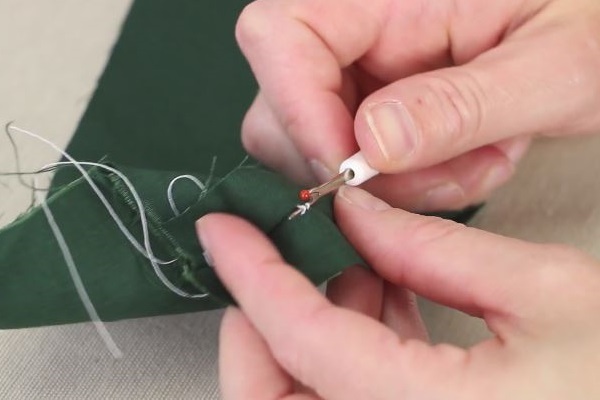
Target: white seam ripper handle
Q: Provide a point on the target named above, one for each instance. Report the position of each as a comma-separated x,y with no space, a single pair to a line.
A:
362,170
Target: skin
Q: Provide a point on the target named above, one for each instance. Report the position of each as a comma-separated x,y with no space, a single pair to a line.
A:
474,81
368,343
443,97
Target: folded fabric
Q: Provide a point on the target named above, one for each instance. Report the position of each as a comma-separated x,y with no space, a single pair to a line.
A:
171,98
36,288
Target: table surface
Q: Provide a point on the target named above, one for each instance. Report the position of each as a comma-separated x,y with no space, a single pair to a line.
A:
53,53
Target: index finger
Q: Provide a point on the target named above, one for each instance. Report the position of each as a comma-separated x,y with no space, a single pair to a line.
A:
316,60
297,50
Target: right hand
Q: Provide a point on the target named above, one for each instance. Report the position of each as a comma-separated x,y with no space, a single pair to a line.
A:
442,96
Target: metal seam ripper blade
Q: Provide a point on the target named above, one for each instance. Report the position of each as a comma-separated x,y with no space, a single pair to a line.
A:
353,171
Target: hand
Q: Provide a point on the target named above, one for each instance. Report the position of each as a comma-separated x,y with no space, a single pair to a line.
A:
443,96
540,301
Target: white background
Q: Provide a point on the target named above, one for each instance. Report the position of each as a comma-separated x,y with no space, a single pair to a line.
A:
51,54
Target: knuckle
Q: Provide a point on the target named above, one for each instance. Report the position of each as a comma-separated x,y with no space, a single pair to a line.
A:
566,276
581,36
562,268
458,101
584,42
564,254
589,33
292,123
589,57
430,229
251,134
292,120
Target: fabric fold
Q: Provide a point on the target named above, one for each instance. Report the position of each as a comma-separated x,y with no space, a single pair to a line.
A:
36,288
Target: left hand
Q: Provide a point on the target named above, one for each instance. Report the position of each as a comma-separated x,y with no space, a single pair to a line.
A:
536,299
248,369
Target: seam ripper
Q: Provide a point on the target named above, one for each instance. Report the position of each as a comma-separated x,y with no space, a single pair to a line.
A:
353,171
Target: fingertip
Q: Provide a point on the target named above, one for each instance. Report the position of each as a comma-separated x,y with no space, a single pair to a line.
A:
514,149
236,249
356,197
253,25
203,225
208,219
206,226
356,210
218,227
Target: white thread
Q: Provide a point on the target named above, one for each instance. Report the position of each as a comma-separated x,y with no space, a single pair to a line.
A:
142,249
95,188
170,191
79,286
144,223
303,208
148,249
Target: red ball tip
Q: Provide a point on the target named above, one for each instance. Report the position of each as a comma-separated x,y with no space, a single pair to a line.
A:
305,195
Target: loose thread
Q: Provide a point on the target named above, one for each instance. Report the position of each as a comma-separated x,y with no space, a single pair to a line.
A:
170,191
15,149
79,286
203,187
142,249
211,171
301,209
154,261
94,187
146,249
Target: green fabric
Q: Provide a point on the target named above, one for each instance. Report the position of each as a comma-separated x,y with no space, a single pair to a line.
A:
171,98
35,285
174,92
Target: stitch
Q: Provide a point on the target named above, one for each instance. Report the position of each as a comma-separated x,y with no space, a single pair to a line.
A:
144,250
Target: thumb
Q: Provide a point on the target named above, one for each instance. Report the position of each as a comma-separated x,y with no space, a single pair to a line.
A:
504,280
523,87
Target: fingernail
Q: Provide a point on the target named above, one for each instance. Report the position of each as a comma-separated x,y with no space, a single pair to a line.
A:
362,199
320,171
208,258
514,151
495,177
444,196
393,129
202,241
